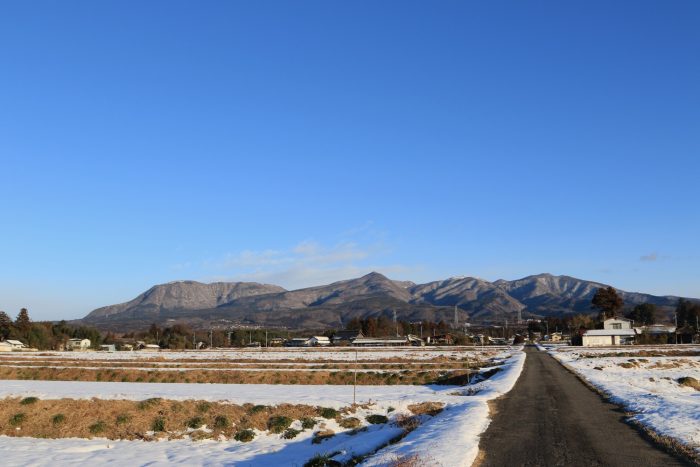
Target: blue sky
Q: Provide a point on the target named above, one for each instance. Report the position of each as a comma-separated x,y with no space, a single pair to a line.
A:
304,142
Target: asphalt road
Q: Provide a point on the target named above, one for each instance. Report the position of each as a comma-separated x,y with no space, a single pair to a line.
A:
550,418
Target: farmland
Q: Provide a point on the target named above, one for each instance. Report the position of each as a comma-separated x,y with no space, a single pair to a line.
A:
259,407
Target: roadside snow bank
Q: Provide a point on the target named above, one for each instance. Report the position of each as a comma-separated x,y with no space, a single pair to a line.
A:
451,438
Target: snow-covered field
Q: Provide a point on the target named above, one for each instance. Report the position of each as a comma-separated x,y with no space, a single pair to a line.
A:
647,386
279,354
447,439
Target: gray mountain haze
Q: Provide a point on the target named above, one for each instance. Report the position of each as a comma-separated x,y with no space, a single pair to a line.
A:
332,305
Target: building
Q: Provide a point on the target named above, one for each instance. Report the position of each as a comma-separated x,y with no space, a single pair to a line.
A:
319,341
616,331
380,341
78,344
346,337
13,344
298,342
275,342
151,348
108,348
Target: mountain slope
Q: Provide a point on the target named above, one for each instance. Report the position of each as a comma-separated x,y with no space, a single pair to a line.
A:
332,305
185,295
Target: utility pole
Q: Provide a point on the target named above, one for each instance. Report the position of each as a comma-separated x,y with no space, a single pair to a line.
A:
211,338
456,324
194,340
354,384
396,323
265,337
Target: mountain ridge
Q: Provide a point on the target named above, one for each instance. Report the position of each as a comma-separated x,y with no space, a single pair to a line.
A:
251,303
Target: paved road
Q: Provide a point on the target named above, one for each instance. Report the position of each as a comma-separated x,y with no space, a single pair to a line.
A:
550,418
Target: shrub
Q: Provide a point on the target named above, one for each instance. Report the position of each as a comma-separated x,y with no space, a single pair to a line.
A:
203,407
290,433
321,436
221,422
29,400
158,424
327,412
308,423
278,424
244,436
322,460
58,419
257,409
17,419
123,418
194,422
690,382
148,403
97,428
350,422
376,419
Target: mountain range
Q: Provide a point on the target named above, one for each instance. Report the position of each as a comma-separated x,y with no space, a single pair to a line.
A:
333,305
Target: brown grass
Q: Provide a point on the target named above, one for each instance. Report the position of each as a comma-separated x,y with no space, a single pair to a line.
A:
132,420
429,408
690,382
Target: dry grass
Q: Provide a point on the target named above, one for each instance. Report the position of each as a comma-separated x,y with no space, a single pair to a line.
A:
120,419
690,382
428,408
230,377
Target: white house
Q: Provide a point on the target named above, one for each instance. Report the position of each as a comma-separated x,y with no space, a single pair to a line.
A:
616,331
151,348
319,341
78,344
10,345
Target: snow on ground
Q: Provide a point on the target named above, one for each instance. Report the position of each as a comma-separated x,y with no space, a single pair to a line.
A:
451,437
646,386
266,394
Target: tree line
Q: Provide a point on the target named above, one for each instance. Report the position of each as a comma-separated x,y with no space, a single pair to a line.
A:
44,335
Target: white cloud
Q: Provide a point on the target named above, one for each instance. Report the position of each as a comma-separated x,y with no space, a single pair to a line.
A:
306,264
651,257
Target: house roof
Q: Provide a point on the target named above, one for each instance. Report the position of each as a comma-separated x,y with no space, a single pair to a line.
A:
609,332
14,342
347,334
321,338
367,340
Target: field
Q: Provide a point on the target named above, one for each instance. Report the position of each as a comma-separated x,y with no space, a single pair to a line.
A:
258,406
658,386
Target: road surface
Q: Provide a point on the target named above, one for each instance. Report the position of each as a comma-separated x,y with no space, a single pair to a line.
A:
550,418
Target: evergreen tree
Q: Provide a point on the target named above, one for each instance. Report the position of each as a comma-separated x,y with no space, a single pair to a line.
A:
5,325
22,322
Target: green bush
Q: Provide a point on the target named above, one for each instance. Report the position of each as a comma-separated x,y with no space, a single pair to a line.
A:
97,428
195,422
123,419
322,460
327,412
148,403
308,423
17,419
158,424
376,419
258,408
244,435
278,424
203,407
29,400
221,422
58,419
290,433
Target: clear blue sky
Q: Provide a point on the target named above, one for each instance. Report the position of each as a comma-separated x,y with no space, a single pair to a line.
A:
301,142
